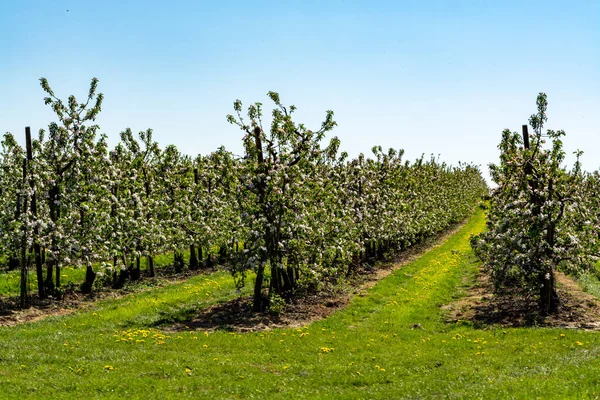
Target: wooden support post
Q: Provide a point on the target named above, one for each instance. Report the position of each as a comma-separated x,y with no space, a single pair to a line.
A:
526,137
23,292
36,245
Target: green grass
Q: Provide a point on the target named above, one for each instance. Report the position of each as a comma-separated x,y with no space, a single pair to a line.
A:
368,350
70,276
10,280
590,283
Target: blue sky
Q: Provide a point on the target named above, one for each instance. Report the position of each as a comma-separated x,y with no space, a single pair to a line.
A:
433,77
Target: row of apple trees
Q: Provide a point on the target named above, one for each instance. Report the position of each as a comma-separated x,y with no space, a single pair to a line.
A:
293,208
543,215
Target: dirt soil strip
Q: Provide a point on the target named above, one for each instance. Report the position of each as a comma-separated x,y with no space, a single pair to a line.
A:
237,315
11,315
482,307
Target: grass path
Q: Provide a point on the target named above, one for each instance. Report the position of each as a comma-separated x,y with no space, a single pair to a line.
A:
371,349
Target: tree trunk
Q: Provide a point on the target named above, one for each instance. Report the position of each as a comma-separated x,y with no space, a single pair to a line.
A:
115,283
150,265
136,271
291,275
257,304
178,261
548,295
380,250
275,284
209,263
287,278
90,277
39,270
13,263
223,254
54,216
57,274
193,258
49,282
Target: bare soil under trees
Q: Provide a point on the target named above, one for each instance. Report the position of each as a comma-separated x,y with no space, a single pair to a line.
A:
515,308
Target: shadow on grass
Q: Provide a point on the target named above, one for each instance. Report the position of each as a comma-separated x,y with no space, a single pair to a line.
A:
237,315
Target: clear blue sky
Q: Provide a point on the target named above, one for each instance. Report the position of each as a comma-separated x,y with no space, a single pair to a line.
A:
433,77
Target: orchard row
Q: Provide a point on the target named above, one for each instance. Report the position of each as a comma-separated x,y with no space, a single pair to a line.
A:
293,208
